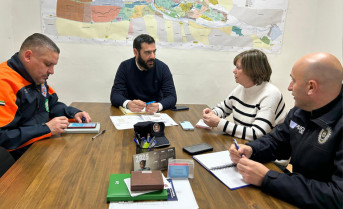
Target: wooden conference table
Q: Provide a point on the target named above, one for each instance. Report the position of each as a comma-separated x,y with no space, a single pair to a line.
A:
72,171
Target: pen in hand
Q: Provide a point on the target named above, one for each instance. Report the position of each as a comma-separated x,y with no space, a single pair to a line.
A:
149,103
236,145
103,131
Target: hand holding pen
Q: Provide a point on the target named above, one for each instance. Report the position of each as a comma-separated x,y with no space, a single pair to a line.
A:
152,107
149,103
236,145
136,105
244,150
234,154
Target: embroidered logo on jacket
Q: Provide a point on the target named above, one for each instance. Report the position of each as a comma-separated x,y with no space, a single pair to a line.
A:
300,128
324,135
2,103
43,90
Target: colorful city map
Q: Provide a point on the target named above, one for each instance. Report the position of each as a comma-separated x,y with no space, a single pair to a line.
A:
228,25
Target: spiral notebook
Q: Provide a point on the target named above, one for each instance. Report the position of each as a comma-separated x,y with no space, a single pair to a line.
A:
221,166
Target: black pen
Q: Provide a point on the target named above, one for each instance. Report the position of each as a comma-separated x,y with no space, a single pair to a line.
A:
98,134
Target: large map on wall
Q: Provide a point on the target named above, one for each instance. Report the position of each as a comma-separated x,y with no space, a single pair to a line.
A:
229,25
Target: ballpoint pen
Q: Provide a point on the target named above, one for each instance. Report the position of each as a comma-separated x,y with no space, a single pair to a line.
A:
150,102
142,142
135,141
236,145
148,138
151,141
103,131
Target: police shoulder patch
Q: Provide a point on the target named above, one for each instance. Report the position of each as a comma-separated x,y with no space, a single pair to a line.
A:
324,135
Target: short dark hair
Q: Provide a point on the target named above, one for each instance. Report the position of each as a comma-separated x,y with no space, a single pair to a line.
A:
38,40
143,38
255,65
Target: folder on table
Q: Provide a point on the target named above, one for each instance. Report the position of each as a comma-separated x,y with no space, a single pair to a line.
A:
118,191
129,112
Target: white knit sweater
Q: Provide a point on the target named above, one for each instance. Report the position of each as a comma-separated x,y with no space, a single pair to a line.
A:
256,111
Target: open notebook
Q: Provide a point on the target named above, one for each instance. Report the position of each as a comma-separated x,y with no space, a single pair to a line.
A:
221,166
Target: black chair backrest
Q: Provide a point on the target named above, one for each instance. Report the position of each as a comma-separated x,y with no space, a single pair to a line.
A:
6,160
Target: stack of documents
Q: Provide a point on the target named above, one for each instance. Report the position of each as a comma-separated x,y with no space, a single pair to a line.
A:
119,189
183,191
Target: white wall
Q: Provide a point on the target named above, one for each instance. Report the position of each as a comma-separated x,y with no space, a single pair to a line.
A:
85,72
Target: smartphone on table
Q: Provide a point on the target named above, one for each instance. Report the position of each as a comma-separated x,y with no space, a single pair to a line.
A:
177,108
81,125
197,148
186,125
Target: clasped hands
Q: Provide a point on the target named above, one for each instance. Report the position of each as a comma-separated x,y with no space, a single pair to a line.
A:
139,105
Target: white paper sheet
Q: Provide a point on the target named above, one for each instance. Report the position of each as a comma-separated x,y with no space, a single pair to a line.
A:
202,124
127,121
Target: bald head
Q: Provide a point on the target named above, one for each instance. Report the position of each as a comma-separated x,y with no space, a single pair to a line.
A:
316,80
323,68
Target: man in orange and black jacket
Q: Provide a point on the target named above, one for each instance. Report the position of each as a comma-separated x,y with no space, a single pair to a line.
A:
29,107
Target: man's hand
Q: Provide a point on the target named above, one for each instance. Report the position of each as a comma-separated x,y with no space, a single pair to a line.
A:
57,125
235,154
82,115
251,171
210,118
152,108
136,105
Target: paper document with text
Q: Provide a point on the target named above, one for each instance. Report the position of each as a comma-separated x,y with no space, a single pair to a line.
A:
127,121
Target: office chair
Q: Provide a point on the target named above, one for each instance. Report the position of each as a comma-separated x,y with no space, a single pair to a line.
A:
6,161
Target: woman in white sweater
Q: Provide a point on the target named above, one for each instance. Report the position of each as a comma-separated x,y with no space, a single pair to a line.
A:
257,105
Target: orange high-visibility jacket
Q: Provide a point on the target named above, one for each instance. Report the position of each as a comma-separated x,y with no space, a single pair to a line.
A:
25,107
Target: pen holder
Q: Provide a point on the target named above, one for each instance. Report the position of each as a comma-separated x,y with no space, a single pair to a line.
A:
144,144
143,150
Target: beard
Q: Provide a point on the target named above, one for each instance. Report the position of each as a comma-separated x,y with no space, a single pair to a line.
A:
144,64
